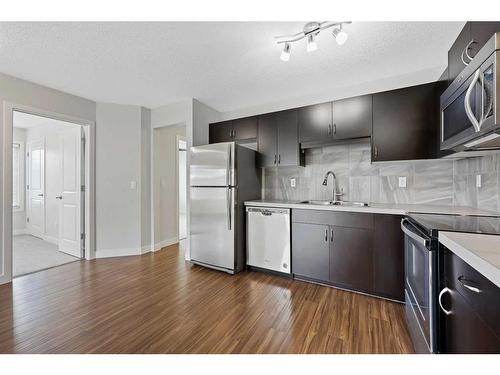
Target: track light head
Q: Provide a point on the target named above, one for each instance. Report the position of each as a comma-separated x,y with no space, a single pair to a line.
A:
285,54
340,35
311,43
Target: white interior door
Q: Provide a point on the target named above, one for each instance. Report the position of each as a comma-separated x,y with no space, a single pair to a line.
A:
36,188
70,207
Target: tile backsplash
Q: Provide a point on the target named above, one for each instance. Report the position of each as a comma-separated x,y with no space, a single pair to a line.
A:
437,182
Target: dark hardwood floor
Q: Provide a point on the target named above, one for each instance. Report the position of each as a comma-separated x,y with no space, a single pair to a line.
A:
157,303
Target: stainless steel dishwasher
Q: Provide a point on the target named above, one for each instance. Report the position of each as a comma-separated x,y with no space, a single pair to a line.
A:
268,238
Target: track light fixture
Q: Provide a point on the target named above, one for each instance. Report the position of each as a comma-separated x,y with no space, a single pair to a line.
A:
310,31
285,54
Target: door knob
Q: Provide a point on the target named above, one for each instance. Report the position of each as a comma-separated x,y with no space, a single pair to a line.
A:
59,197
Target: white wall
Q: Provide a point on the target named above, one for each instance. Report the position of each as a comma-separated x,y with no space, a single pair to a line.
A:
166,185
19,216
203,115
25,93
388,83
119,132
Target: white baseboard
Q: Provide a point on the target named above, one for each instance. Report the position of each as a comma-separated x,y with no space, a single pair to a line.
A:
52,240
111,253
169,241
19,232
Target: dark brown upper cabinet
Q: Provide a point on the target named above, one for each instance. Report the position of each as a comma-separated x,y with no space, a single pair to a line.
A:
405,123
245,128
220,132
277,140
233,130
352,117
315,123
471,39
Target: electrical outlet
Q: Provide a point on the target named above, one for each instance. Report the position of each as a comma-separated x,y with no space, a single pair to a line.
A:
478,180
402,182
133,185
293,182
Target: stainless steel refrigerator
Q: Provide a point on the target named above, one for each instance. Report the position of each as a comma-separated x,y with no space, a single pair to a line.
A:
222,177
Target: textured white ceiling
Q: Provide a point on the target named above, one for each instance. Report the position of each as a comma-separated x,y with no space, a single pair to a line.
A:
227,65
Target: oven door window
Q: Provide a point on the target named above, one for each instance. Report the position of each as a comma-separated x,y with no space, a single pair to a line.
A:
417,263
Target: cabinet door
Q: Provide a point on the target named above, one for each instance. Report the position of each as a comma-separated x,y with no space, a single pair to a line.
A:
315,122
481,32
455,63
288,138
388,257
266,140
405,123
352,117
351,258
463,331
245,128
310,251
220,132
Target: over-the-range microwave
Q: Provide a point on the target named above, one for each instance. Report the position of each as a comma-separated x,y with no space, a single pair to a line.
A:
469,107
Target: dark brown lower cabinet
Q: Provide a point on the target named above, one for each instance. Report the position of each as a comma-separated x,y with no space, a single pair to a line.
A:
469,309
388,257
351,258
463,331
356,251
311,251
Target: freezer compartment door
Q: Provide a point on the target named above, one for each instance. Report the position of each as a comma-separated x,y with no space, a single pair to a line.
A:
213,165
213,226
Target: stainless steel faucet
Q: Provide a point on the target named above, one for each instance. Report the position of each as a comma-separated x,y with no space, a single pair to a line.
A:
335,193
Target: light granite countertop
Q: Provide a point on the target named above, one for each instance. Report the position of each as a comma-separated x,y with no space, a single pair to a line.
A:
480,251
377,208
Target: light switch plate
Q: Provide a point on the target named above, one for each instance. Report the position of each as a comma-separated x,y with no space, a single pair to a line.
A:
402,182
133,185
478,180
293,182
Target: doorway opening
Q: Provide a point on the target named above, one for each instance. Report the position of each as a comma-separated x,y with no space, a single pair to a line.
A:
48,199
169,204
182,189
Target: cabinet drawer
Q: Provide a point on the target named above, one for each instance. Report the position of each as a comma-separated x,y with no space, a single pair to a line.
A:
483,298
340,219
462,331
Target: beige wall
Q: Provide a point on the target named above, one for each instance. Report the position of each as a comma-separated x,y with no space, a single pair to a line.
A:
166,184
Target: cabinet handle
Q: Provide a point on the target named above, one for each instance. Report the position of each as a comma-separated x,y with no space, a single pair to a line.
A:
375,151
447,312
326,235
274,158
334,128
474,289
279,158
331,235
329,129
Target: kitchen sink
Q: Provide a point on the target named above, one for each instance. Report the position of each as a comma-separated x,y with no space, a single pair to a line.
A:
337,203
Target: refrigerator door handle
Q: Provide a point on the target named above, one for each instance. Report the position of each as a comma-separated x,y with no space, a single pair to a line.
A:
228,166
228,206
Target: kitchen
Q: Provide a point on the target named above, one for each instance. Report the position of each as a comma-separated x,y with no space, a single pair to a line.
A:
342,195
261,187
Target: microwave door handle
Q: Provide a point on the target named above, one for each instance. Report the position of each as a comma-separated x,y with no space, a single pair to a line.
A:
412,234
468,109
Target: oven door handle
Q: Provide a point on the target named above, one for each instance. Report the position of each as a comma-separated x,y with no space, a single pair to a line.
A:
413,235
